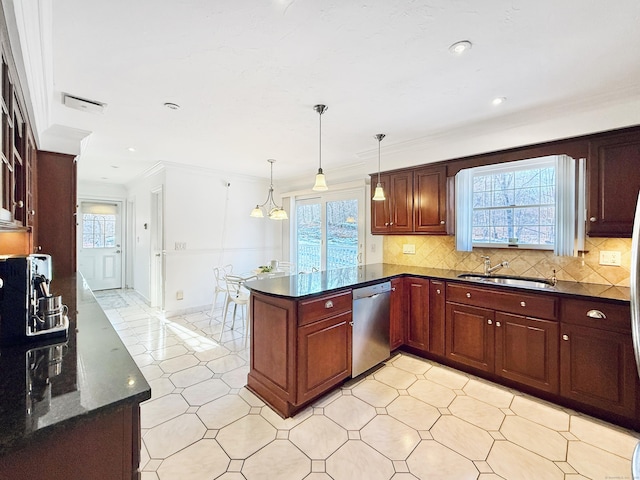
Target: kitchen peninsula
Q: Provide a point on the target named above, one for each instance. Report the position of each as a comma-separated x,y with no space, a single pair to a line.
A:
569,343
70,408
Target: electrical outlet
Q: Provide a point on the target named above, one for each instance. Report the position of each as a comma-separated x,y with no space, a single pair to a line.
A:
610,258
409,249
179,295
181,245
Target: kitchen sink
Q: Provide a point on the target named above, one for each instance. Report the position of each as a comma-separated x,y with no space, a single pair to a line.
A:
508,280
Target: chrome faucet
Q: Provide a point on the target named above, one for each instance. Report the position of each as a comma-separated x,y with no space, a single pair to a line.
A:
488,269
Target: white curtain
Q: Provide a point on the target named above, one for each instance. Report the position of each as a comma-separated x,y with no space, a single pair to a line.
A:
464,210
565,205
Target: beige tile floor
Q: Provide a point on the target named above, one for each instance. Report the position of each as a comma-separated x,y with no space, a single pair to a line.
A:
410,419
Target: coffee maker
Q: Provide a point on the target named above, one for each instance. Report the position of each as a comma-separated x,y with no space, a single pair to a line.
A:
28,311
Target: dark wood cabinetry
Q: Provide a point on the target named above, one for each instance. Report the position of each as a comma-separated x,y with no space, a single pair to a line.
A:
430,200
299,349
395,213
596,356
527,350
56,184
417,334
496,332
397,314
437,310
613,172
470,336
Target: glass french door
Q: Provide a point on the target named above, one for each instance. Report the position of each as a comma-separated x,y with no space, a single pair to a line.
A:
329,231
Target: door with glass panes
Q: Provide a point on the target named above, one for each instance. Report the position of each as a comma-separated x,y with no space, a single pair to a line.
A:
329,232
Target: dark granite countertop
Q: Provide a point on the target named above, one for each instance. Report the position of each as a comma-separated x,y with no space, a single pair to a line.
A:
52,386
309,284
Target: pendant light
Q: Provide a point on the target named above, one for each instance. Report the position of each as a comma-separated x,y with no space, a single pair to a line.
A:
321,183
273,210
379,193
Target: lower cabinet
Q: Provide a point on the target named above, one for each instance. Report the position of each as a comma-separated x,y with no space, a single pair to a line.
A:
596,357
508,343
324,355
470,336
527,350
417,334
437,309
397,314
300,349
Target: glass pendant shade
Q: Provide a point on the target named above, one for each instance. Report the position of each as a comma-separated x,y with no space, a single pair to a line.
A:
321,182
378,196
274,211
257,212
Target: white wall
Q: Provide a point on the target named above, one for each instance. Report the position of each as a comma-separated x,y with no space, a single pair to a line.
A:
139,192
211,220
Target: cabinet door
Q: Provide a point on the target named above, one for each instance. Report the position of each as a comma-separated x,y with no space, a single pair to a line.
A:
57,210
598,369
527,351
397,315
324,356
417,312
437,307
429,200
401,202
381,210
612,163
470,337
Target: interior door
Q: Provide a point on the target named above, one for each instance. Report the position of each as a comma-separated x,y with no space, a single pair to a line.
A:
100,252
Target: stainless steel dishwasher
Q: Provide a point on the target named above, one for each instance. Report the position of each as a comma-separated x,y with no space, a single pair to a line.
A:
370,327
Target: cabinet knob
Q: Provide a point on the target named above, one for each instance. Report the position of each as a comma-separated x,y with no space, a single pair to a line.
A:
32,213
596,314
523,304
441,222
19,204
593,219
468,295
390,223
438,291
328,304
498,324
489,322
393,289
565,337
351,323
386,224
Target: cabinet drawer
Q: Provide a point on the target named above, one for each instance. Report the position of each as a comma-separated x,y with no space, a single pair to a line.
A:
539,306
326,306
608,316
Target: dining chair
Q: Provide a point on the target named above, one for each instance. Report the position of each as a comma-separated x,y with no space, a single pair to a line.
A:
238,295
219,273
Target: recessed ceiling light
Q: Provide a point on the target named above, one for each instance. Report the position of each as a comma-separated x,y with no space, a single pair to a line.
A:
131,149
459,48
499,100
172,106
115,166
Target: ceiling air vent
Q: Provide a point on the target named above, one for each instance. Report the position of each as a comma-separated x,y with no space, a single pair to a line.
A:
83,104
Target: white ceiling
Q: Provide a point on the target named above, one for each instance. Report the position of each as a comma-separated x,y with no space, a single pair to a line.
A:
247,74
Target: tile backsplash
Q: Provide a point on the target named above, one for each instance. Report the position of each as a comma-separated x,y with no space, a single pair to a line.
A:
440,252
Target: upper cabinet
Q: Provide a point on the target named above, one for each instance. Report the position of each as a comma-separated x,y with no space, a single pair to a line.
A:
613,173
395,213
17,153
430,200
415,202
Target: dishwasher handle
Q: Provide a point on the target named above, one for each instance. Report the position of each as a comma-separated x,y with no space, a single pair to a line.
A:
371,291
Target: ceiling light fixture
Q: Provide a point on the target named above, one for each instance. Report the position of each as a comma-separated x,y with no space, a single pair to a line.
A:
498,100
321,182
273,210
379,193
459,48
